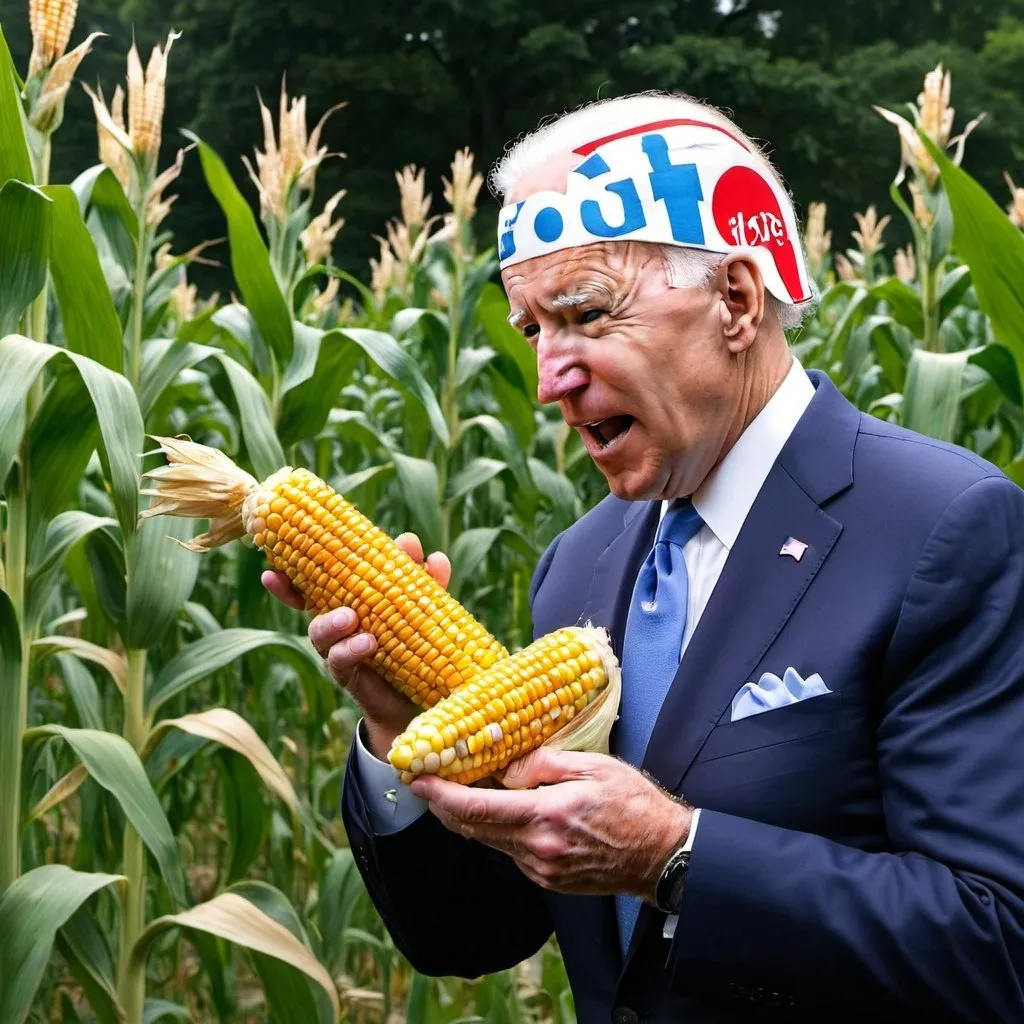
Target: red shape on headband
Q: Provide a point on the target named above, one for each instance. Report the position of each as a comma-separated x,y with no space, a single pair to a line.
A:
747,212
588,147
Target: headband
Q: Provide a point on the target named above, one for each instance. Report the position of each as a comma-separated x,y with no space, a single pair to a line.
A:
676,182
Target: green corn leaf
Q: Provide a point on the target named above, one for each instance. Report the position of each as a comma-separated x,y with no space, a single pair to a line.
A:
84,947
117,218
14,157
952,289
340,891
467,553
998,362
400,366
91,324
291,995
26,219
309,400
420,492
474,474
558,489
506,443
157,1010
492,314
62,534
226,727
250,261
113,407
31,910
350,482
993,247
904,302
11,713
20,362
245,814
517,407
261,441
161,575
117,768
232,917
171,357
210,653
931,398
85,695
471,361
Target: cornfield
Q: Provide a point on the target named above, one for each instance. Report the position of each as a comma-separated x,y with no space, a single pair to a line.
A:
171,748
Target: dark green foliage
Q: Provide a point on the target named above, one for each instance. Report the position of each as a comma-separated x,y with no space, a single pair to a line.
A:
426,77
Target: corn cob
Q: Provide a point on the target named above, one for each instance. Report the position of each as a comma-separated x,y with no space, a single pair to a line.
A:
524,701
428,644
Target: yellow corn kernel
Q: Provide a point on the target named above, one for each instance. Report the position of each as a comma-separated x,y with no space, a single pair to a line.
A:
479,732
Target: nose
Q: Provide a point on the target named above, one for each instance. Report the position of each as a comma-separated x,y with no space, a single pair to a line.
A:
558,371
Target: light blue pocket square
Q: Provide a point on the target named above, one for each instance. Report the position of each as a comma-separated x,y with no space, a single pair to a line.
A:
771,692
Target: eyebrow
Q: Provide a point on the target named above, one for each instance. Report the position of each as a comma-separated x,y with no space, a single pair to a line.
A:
567,299
563,300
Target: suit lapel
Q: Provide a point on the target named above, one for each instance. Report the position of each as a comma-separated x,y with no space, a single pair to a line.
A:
611,586
753,599
759,588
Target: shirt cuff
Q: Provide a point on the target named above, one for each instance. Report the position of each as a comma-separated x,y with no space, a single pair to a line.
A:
390,804
670,922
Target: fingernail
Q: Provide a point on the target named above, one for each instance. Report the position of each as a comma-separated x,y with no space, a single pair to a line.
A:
342,618
361,644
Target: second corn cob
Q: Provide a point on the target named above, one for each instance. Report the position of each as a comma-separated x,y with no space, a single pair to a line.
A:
562,690
428,644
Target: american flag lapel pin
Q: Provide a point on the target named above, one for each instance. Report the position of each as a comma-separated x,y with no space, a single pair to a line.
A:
794,548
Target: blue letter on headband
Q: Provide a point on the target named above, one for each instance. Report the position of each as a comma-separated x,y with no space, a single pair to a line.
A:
548,224
679,186
632,212
507,242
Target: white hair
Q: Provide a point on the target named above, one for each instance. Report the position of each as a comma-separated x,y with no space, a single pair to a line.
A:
684,267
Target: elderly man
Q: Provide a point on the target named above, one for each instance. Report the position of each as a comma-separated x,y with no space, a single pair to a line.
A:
814,805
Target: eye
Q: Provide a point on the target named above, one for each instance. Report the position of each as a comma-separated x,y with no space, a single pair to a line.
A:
588,316
531,330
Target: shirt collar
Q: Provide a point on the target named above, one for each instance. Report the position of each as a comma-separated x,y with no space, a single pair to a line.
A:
728,492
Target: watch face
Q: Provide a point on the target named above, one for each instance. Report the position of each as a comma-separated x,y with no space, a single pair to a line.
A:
670,886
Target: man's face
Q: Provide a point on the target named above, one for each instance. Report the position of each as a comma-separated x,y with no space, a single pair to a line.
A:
641,370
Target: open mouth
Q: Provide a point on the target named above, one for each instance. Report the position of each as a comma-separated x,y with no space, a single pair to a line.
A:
607,432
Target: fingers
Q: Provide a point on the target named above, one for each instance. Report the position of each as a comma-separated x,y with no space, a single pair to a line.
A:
546,765
475,806
327,629
280,587
440,568
411,545
437,564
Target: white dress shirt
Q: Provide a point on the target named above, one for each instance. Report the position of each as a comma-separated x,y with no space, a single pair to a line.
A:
723,501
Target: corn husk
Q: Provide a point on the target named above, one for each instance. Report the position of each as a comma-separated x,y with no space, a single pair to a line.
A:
591,729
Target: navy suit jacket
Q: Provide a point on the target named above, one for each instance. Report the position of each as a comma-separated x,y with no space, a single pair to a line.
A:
858,852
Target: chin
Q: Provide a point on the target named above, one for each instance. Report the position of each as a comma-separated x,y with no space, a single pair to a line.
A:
633,486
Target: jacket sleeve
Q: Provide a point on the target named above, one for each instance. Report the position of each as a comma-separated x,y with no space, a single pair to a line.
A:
938,924
451,905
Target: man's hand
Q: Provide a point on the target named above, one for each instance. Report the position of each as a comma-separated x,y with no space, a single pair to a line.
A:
386,712
596,825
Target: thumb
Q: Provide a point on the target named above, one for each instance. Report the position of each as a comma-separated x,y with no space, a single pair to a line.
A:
546,765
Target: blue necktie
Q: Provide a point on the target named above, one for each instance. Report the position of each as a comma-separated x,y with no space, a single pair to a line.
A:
651,652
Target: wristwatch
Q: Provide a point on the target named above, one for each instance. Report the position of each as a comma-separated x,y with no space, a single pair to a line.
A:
668,894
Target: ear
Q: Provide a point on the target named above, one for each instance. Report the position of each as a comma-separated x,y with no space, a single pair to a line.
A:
742,293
